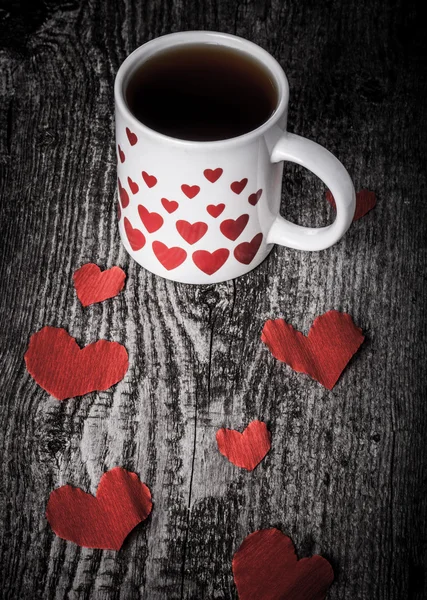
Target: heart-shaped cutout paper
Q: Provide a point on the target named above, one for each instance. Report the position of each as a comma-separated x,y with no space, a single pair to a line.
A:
58,364
93,285
324,353
365,201
265,567
122,501
247,449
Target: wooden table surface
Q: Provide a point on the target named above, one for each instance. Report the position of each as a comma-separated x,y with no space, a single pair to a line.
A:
346,476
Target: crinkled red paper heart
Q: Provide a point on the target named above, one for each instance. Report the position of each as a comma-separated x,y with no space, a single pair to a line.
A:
324,353
93,285
62,368
365,201
245,449
122,501
265,567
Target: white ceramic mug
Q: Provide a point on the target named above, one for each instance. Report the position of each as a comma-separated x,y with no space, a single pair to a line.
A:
204,212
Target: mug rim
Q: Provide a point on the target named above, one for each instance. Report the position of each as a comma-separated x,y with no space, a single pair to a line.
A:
214,37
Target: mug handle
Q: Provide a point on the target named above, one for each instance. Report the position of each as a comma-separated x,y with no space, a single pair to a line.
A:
322,163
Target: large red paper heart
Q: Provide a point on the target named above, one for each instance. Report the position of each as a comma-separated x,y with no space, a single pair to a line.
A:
152,220
212,175
245,252
122,502
121,154
170,258
215,210
93,285
124,196
238,186
324,353
169,205
232,228
62,368
191,232
365,201
210,262
265,567
190,190
135,236
254,198
150,180
131,137
134,187
247,449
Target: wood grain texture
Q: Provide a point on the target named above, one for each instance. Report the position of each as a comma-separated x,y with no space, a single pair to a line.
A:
346,475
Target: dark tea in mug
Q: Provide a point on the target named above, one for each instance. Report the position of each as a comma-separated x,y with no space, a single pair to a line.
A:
202,92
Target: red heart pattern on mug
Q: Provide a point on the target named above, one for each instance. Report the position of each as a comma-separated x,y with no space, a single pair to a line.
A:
152,220
238,186
191,232
190,191
131,137
232,228
135,237
122,156
210,262
124,196
170,258
150,180
213,175
134,187
169,205
246,251
254,198
215,210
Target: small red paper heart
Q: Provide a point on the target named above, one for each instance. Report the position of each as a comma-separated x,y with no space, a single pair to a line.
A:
170,258
365,201
134,187
190,190
152,220
62,368
212,175
324,353
121,154
119,211
265,567
124,196
247,449
233,228
245,252
215,210
131,137
93,285
150,180
238,186
135,236
169,205
103,521
254,198
191,232
210,262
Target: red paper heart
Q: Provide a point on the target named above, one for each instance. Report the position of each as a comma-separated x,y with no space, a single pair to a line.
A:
169,205
134,187
324,353
233,228
152,220
245,252
170,258
121,154
254,198
93,285
135,236
210,262
119,211
215,210
124,196
212,175
62,368
265,567
150,180
131,137
247,449
191,232
365,201
190,190
238,186
122,502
